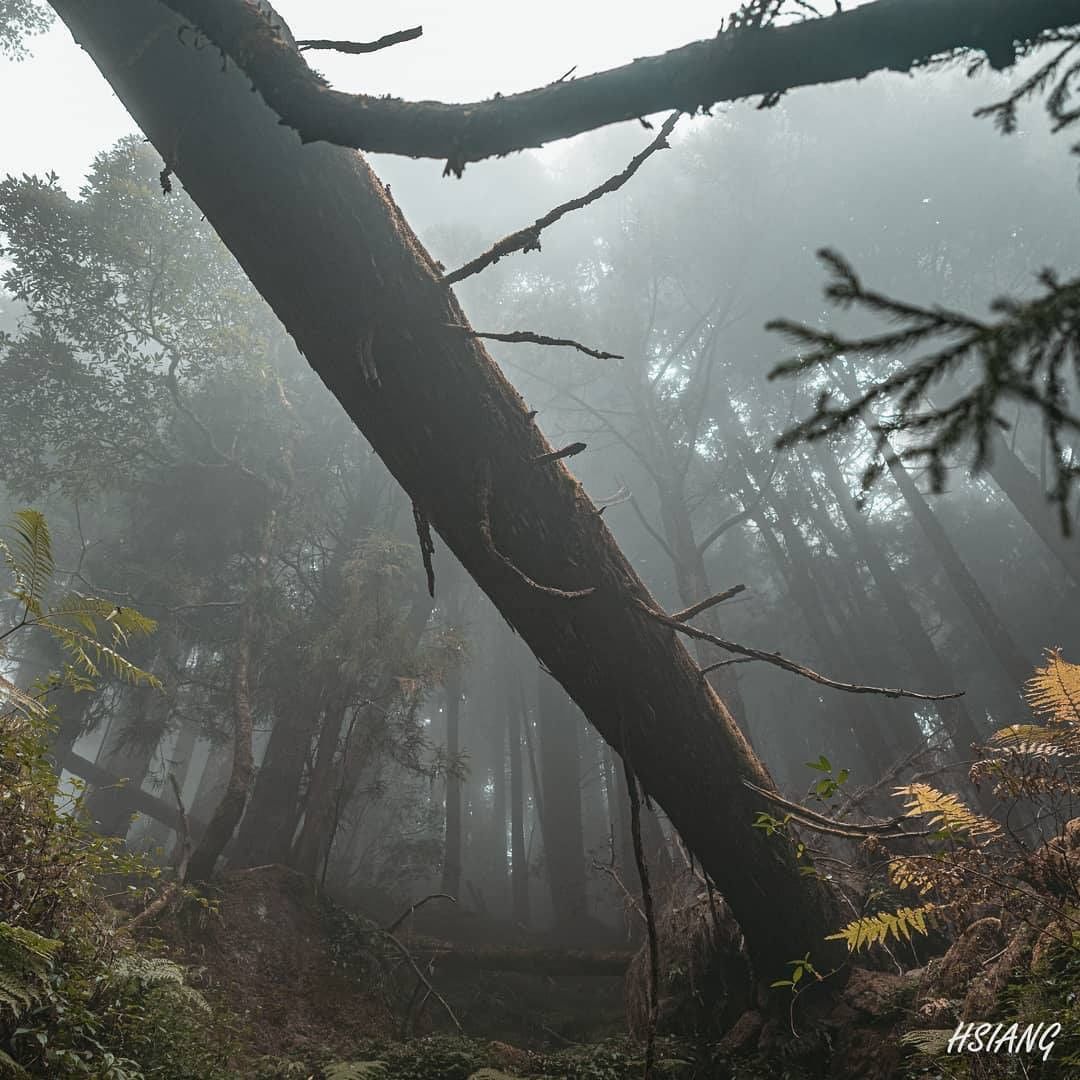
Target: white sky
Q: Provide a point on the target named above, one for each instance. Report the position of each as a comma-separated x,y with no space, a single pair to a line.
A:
59,112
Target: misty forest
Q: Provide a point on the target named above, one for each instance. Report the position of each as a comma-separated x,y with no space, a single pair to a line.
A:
601,611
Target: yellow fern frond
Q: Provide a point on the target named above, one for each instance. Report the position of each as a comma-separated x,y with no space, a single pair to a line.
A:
874,929
945,811
1053,691
907,873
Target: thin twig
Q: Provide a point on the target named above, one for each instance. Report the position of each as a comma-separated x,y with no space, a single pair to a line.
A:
651,531
528,239
419,904
166,897
727,663
356,47
408,957
710,601
489,543
516,337
885,830
789,665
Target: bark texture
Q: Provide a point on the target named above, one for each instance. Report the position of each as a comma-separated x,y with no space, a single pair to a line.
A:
322,240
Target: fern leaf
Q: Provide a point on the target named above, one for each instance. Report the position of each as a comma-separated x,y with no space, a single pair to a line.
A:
932,1041
1053,691
875,929
91,656
357,1070
907,873
25,961
945,811
30,558
11,696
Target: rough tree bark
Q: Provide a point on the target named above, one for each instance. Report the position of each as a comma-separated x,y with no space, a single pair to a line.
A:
322,240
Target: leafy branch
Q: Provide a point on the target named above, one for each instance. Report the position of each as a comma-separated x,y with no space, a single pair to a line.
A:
92,631
1027,354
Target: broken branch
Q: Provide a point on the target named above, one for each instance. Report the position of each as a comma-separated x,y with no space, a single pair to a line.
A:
555,455
710,601
530,337
363,46
528,239
789,665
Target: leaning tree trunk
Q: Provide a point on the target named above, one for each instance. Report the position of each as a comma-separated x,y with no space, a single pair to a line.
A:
322,240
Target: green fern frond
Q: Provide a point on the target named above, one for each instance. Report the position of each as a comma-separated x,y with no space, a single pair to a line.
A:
91,656
357,1070
158,976
875,929
10,1067
11,697
932,1041
30,558
1053,691
945,811
25,961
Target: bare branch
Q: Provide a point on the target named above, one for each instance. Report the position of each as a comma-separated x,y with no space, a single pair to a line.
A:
528,239
419,904
885,830
788,665
363,46
894,35
708,602
728,523
528,336
489,543
727,663
556,455
651,531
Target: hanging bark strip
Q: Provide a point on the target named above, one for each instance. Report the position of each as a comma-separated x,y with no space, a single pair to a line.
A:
427,546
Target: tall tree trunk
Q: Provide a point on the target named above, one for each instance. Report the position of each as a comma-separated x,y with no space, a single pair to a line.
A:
560,776
920,646
314,832
856,720
231,808
321,239
1008,653
519,867
127,752
452,845
1027,494
266,832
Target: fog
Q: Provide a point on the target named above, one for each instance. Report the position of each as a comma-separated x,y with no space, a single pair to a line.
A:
193,467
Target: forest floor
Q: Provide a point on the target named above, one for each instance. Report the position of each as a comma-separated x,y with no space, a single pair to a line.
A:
309,990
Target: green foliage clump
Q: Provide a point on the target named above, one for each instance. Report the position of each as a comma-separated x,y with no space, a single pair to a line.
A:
458,1058
76,997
